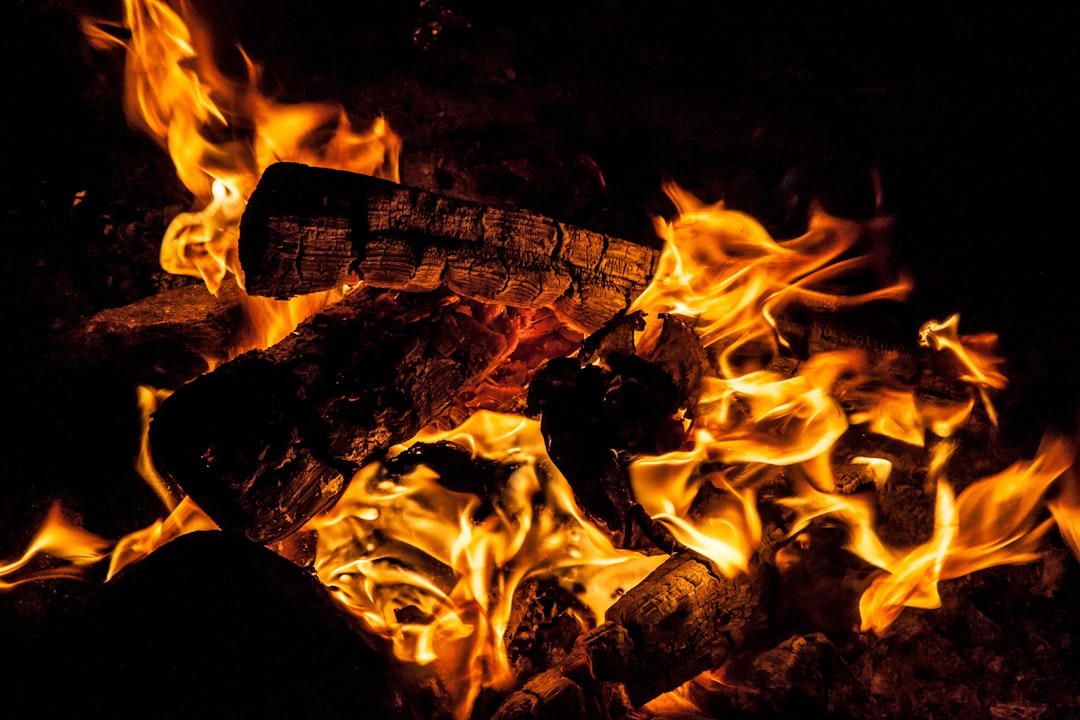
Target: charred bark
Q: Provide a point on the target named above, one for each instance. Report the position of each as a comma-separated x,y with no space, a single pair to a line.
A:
679,621
269,439
308,229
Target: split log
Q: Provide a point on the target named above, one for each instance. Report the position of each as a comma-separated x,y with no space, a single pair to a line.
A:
267,440
308,229
163,340
679,621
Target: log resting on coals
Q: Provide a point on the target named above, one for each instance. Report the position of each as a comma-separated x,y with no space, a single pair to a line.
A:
267,440
679,621
308,229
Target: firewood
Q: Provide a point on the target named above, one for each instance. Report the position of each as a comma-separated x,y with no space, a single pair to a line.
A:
307,229
684,618
679,621
163,340
267,440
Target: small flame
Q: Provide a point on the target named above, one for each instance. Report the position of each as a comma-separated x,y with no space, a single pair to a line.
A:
222,134
59,539
80,549
976,354
993,522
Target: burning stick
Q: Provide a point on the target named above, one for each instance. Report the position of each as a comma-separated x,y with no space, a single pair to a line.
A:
306,229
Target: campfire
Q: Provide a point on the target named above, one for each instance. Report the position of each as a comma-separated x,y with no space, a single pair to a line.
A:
420,451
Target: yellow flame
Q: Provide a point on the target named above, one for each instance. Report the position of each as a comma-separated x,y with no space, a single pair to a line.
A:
185,518
57,538
148,401
221,134
423,567
722,268
976,354
993,522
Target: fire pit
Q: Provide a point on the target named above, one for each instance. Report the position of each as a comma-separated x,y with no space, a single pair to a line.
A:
684,456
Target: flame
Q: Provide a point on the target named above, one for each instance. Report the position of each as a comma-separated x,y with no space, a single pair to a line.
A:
976,354
221,134
425,568
58,538
435,570
81,549
992,522
722,268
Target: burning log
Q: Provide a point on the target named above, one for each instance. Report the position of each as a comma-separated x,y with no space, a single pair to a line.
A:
269,439
679,621
308,229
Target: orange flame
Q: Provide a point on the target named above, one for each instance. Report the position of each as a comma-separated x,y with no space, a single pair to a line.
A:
976,354
222,134
419,565
60,539
722,268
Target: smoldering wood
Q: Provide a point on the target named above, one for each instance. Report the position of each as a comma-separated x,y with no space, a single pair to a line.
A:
267,440
681,620
307,229
685,618
163,340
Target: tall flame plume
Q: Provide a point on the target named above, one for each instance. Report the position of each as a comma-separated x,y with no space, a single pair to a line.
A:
221,134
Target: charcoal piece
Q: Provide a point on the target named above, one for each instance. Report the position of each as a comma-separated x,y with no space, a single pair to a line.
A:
457,468
679,353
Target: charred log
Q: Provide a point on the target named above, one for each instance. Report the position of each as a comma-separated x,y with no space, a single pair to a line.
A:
164,340
267,440
307,229
679,621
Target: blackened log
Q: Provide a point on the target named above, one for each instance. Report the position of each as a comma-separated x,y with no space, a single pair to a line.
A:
163,340
308,229
267,440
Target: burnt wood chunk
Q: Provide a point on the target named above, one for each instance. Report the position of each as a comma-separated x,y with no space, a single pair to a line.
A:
681,620
267,440
307,229
684,618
